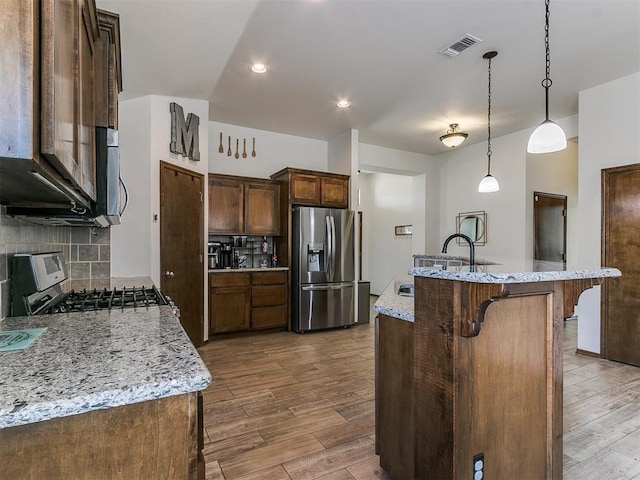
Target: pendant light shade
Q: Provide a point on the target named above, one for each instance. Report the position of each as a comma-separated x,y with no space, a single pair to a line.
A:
453,137
489,183
549,136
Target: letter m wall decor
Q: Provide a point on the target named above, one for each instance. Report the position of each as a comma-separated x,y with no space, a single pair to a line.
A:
185,140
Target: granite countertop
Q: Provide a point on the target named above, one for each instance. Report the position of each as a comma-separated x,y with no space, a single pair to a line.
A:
394,305
510,270
252,269
494,270
87,361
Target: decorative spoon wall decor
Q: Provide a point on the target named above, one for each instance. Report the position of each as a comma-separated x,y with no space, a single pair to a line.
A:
237,143
229,149
244,148
253,152
221,148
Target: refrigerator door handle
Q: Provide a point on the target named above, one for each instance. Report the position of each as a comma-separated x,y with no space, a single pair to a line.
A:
324,287
333,248
330,244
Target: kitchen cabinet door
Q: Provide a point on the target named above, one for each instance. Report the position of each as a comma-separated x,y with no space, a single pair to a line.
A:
334,192
67,137
229,309
59,126
304,189
108,71
88,34
226,206
262,209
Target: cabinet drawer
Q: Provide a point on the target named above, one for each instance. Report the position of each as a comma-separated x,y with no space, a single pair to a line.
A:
269,317
228,279
265,295
269,278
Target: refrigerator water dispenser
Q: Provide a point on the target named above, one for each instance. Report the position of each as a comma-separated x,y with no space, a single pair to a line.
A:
315,257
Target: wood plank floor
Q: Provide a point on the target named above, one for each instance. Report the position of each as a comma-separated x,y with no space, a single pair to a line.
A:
292,407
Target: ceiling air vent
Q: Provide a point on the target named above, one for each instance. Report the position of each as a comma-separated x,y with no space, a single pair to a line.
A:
459,45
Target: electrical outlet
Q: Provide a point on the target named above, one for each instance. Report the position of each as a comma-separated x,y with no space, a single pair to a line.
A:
478,466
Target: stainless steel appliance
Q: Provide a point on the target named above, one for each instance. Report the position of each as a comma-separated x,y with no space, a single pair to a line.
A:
226,256
106,210
323,270
35,289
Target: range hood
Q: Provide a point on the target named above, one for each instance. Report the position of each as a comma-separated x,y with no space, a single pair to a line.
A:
105,211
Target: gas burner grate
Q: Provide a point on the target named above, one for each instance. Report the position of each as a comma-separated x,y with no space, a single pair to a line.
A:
88,300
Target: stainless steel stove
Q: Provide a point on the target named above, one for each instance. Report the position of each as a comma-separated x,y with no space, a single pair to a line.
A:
35,290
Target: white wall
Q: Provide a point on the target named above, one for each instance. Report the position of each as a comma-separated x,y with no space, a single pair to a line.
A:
604,112
425,188
145,135
388,202
130,241
508,216
554,173
274,151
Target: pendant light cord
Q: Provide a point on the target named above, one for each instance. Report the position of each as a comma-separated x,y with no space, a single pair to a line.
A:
546,83
489,124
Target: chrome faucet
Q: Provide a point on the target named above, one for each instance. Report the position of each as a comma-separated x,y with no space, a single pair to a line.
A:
472,250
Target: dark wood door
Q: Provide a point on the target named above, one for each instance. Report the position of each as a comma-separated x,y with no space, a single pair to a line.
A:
550,227
621,249
182,245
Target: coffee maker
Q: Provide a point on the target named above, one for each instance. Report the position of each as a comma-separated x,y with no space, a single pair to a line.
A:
214,254
226,256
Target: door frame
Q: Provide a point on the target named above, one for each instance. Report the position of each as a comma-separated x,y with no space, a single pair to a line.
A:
606,174
201,248
535,214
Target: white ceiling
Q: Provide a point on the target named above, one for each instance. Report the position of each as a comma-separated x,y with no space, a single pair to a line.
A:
380,54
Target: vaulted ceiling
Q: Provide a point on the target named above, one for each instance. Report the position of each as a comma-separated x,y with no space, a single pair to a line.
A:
382,55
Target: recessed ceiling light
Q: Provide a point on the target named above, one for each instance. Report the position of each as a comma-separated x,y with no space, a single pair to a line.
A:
343,104
258,68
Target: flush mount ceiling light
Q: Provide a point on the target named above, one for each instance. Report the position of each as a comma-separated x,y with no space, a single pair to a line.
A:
343,104
453,137
258,68
489,183
549,136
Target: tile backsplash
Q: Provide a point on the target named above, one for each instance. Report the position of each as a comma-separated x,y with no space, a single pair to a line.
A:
87,250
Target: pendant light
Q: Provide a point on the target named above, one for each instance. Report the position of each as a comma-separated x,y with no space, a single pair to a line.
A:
453,137
549,136
489,183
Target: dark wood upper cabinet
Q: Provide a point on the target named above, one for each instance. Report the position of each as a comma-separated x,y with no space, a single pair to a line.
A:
262,208
242,205
108,69
334,192
67,137
321,189
305,189
51,62
226,205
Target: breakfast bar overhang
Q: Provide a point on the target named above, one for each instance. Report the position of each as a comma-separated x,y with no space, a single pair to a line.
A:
472,381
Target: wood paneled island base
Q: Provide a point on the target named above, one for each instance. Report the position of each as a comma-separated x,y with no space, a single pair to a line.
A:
477,375
152,439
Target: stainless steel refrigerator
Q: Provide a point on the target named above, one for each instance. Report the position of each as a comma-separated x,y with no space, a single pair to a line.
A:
323,271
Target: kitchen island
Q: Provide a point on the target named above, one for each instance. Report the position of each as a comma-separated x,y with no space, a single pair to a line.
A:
469,374
101,394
